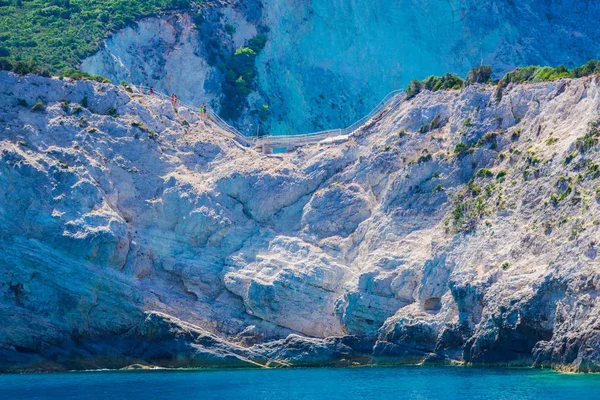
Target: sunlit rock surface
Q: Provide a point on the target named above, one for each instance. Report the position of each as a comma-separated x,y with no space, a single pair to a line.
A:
153,238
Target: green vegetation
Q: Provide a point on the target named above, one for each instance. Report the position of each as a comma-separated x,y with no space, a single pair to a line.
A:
533,74
590,139
481,74
438,188
38,107
501,175
460,148
239,70
570,157
490,138
264,112
557,198
30,67
141,127
424,158
58,34
434,83
484,173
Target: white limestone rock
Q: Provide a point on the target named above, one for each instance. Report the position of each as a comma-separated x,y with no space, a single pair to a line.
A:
389,248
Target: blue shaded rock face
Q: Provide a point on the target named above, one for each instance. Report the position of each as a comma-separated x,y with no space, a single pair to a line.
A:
327,63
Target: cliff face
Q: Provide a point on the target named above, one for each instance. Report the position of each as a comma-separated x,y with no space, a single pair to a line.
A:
164,53
458,228
327,63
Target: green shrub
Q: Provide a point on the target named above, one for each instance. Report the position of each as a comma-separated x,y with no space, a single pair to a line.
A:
557,198
501,175
24,68
592,67
413,89
424,158
240,76
460,148
5,65
484,173
112,112
38,107
481,74
84,76
590,139
140,126
264,112
532,74
434,84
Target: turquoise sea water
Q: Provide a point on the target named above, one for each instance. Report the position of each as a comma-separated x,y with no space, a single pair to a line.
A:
418,383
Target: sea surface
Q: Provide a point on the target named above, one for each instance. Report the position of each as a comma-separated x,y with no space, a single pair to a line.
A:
447,383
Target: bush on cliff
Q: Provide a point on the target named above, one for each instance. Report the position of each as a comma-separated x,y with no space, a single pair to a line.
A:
481,74
240,76
435,83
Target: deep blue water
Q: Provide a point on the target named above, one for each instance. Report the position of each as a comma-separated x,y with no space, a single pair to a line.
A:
344,383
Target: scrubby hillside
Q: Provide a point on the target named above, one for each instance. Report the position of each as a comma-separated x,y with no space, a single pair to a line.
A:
462,227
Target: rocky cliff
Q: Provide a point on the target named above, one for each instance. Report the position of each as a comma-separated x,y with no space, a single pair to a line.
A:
462,227
327,63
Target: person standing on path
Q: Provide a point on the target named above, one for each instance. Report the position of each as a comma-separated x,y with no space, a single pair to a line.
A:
174,101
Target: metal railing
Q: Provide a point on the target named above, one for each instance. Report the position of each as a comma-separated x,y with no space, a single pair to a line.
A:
379,111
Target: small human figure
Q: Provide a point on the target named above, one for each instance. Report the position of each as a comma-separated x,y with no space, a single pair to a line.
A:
141,88
151,91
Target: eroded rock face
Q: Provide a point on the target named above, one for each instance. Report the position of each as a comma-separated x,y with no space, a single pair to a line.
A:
152,237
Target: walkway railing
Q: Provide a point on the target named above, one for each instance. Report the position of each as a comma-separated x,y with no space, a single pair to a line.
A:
380,110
